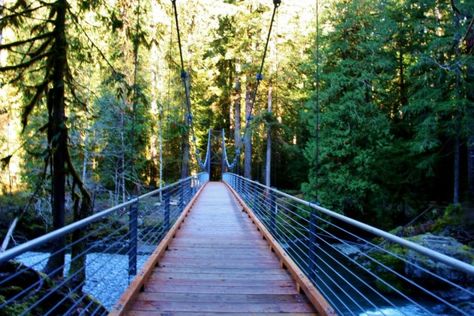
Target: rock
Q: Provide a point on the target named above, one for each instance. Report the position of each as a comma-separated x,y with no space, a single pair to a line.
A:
348,250
40,298
445,245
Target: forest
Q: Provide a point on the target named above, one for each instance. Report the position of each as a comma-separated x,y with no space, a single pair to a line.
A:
367,105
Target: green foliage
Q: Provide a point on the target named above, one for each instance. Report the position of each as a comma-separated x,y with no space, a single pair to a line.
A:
396,85
393,99
353,131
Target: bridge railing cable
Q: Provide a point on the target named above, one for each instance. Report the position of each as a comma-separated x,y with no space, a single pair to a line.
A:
203,165
360,270
225,157
99,266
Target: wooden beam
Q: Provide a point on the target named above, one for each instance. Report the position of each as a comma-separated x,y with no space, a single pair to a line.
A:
140,279
302,281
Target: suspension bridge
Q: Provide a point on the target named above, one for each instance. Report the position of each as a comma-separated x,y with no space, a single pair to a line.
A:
232,246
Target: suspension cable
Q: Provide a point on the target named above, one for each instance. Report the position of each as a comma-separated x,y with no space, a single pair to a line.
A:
259,76
276,4
184,74
189,117
135,88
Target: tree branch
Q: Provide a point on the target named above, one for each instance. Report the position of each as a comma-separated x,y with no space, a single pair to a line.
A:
17,14
9,235
77,179
25,64
40,89
30,40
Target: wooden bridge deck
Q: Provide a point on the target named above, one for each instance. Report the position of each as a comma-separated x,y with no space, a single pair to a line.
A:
218,263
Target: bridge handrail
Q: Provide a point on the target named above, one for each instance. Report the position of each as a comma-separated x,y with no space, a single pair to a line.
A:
450,261
356,266
29,245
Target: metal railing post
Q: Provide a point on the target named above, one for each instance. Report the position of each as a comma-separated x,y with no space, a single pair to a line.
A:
133,239
244,190
166,218
273,212
312,245
181,195
187,191
194,184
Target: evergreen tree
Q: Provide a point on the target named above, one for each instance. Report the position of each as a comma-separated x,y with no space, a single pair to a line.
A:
353,129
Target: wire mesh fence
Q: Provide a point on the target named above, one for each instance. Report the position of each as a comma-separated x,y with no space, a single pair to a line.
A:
359,269
98,257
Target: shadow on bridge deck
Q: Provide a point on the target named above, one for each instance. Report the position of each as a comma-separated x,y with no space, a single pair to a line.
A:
218,263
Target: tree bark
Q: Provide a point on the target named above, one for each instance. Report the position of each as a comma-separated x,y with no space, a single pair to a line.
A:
268,158
185,161
237,109
121,184
186,146
470,141
456,166
86,159
470,167
2,3
248,133
160,140
58,138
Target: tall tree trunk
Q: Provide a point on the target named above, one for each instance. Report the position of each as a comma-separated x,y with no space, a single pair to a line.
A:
86,159
155,113
223,162
186,146
457,115
59,138
268,158
470,167
160,140
456,166
2,2
185,161
122,156
470,142
237,107
248,134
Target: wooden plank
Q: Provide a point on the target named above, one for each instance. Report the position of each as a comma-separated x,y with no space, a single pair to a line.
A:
210,253
262,271
218,276
218,262
212,307
150,313
166,280
221,260
218,247
217,265
237,256
212,289
223,298
313,294
137,284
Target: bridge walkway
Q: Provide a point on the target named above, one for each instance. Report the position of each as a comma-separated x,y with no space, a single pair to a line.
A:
219,263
